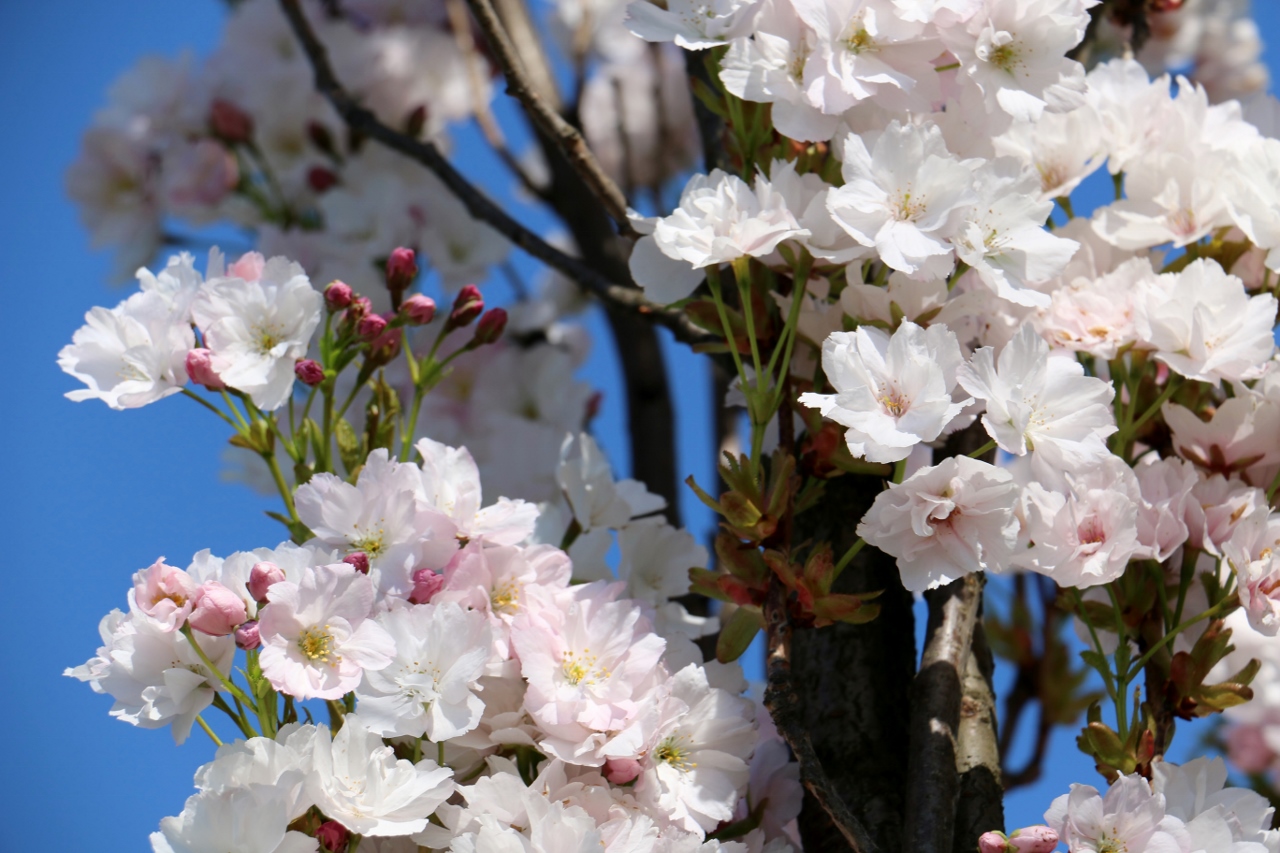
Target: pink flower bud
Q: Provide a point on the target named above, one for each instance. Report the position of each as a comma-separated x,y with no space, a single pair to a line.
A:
337,295
490,327
229,122
360,307
200,369
358,561
320,179
309,372
332,836
419,309
426,583
370,326
247,636
217,610
1034,839
261,578
992,842
402,269
466,307
620,771
164,593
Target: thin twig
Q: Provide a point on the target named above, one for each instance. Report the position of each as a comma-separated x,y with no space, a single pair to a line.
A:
360,119
566,136
784,706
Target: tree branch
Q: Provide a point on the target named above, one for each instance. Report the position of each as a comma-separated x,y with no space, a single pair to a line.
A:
566,136
929,821
980,805
784,705
360,119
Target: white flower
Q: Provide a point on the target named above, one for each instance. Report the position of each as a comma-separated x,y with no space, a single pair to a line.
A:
1062,148
1130,817
281,763
384,515
1253,551
130,355
692,24
252,819
1083,525
946,521
891,392
429,687
695,767
154,674
1095,314
901,195
1003,236
1197,790
1041,403
1253,200
656,559
451,484
317,638
358,781
1207,327
258,328
587,481
721,218
1166,486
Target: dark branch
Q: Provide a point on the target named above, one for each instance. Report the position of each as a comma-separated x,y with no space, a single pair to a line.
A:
784,705
566,136
363,121
929,822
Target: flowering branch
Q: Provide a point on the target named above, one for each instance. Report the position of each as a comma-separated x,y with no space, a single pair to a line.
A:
363,120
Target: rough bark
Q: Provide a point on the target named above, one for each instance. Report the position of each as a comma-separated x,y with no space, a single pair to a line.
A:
853,681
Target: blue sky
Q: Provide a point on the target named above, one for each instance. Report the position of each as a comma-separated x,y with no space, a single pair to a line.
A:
97,494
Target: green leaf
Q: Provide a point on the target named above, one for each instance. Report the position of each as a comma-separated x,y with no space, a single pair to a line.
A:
350,447
738,633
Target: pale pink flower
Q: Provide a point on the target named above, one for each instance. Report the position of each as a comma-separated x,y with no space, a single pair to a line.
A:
451,484
217,610
945,522
1095,315
164,594
1129,817
1239,440
892,392
317,637
691,24
1217,505
1166,486
1253,552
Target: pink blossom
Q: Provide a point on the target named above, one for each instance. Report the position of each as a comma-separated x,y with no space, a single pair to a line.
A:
199,366
426,583
402,269
317,638
419,309
163,593
248,637
309,372
217,610
1247,748
337,295
261,577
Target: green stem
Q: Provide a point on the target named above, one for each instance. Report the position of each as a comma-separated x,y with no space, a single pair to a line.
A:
1170,386
1107,678
286,493
238,719
983,450
226,682
1065,203
1187,574
1167,638
235,410
1122,666
847,558
216,740
210,406
899,470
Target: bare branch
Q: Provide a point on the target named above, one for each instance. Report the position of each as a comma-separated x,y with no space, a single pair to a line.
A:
360,119
784,705
929,822
980,806
566,136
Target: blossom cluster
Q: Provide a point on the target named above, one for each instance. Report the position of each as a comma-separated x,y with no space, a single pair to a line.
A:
554,713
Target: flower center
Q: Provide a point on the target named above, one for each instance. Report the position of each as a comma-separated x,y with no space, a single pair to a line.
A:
373,543
176,597
907,209
578,669
859,40
672,751
504,598
267,335
1091,532
316,643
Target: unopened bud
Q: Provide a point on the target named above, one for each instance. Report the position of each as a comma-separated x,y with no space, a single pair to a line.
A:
466,307
416,121
420,310
262,577
402,269
992,842
1034,839
248,636
230,123
490,327
218,610
333,836
370,326
320,179
426,583
200,368
309,372
620,771
358,561
337,295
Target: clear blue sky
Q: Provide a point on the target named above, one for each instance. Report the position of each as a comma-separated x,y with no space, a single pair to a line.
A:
97,494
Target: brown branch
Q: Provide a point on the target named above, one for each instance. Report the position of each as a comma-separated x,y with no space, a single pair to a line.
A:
784,706
980,805
520,26
566,136
929,821
363,121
